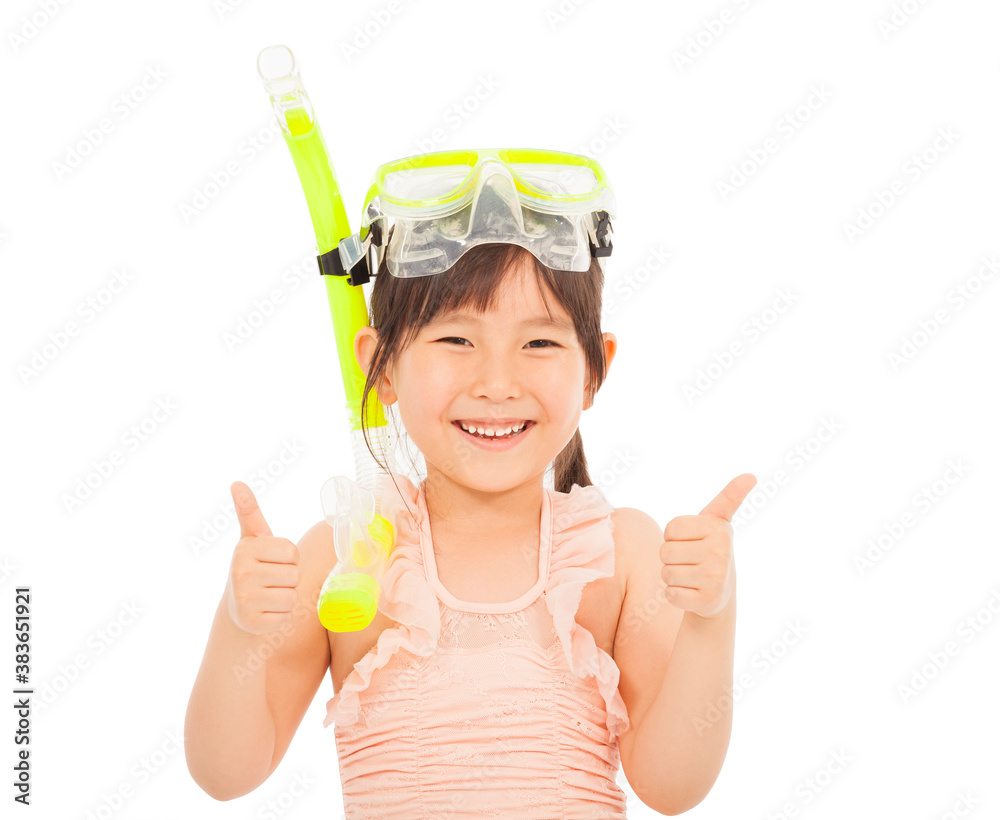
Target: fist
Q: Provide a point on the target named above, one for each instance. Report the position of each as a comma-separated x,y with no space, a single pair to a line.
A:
697,553
263,586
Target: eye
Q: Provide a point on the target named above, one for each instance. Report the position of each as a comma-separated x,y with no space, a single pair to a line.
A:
545,342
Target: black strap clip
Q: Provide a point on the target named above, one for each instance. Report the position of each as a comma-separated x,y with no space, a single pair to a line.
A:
330,265
603,246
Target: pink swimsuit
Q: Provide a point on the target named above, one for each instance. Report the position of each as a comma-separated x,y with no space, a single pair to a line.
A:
485,710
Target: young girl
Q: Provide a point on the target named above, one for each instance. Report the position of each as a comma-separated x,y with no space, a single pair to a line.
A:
527,639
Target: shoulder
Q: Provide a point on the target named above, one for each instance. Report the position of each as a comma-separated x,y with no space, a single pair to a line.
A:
647,619
635,533
318,540
317,556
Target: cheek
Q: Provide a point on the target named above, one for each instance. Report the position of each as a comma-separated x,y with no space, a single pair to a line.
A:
426,390
563,376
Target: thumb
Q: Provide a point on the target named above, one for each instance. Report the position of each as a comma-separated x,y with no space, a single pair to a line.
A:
726,503
252,521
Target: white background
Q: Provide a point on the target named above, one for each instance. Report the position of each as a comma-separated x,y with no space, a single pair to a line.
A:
604,79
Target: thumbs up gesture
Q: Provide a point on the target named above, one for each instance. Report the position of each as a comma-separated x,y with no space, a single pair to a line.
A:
264,576
697,553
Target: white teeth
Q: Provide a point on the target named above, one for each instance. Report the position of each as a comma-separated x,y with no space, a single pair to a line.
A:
485,431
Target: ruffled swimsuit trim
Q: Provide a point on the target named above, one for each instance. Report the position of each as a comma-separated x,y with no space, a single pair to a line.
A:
581,550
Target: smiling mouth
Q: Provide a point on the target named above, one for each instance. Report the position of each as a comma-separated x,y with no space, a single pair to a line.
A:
497,435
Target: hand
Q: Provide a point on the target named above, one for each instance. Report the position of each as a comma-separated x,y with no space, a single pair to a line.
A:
697,553
262,590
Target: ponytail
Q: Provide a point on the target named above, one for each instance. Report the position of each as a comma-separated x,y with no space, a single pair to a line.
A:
570,466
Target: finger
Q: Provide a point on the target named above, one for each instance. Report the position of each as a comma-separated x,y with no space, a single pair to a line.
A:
682,577
274,601
273,621
687,528
681,552
275,551
280,600
726,503
282,576
686,599
252,521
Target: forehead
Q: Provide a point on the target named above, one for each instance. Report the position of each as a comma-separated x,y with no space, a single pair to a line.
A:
519,304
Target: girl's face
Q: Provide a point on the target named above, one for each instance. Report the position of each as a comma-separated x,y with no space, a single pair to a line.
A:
511,364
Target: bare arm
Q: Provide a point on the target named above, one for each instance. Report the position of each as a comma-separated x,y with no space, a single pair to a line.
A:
676,659
678,748
229,731
252,690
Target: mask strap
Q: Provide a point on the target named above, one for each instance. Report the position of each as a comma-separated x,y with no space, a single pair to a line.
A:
356,260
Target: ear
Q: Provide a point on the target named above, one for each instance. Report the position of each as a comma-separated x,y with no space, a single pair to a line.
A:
365,343
610,348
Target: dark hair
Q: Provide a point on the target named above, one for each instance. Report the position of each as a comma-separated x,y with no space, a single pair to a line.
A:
401,307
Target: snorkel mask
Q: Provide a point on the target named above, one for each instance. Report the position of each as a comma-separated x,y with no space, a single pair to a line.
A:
557,205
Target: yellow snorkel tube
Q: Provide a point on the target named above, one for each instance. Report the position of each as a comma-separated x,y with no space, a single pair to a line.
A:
363,538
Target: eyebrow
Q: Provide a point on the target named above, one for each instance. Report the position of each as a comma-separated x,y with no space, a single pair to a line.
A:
536,321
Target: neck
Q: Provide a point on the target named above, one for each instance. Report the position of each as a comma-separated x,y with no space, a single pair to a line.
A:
478,515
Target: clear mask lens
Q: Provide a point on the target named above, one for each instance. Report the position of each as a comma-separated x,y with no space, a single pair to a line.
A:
442,211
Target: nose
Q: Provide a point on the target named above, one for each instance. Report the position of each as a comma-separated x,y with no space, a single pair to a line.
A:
496,377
